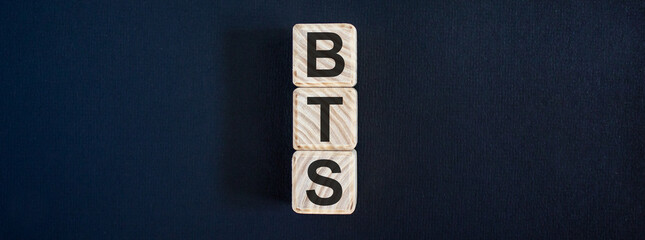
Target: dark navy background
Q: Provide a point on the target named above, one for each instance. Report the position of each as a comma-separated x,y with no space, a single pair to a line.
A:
172,120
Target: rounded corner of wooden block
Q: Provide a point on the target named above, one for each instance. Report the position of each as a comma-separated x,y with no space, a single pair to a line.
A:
295,209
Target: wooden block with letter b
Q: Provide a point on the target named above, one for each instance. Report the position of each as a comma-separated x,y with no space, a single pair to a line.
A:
324,55
323,182
325,118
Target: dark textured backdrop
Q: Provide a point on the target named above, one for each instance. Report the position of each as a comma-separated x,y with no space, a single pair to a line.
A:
172,120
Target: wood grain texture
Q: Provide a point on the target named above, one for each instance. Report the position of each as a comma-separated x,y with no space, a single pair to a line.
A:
343,125
347,33
300,181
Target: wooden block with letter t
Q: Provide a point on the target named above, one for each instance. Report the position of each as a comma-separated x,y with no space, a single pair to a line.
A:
324,55
325,118
323,182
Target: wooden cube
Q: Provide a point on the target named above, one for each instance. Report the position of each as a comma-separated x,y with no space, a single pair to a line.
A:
324,182
324,55
325,119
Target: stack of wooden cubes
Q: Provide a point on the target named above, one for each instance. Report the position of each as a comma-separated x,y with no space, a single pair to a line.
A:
325,114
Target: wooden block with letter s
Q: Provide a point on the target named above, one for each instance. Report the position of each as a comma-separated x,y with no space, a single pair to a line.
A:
324,182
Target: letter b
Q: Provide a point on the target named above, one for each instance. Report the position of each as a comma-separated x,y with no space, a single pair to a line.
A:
313,54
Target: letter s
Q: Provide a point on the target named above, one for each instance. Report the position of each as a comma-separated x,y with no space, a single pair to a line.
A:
325,181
